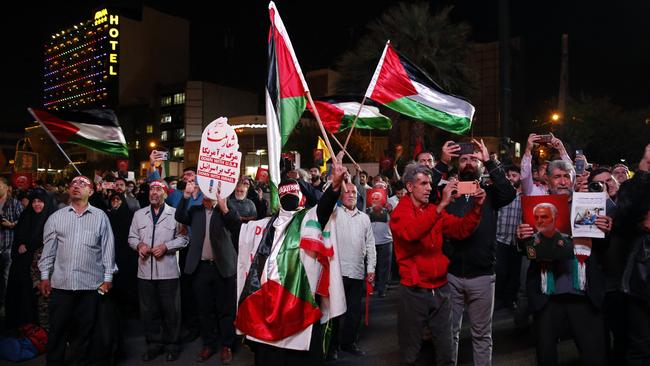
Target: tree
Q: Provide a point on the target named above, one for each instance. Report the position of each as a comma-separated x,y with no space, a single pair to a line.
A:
606,132
431,41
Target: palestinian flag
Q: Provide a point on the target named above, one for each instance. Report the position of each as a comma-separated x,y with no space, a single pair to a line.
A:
95,129
338,113
285,97
402,86
276,300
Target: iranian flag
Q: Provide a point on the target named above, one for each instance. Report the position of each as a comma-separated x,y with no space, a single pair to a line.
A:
400,85
285,97
95,129
338,113
276,300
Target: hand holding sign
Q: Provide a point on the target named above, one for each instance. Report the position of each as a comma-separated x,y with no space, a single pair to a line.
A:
219,160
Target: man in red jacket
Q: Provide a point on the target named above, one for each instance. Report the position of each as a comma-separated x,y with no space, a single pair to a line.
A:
418,228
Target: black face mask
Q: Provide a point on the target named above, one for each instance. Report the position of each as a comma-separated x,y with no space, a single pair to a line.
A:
289,202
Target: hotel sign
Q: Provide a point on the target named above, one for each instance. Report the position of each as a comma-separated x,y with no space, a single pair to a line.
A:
101,17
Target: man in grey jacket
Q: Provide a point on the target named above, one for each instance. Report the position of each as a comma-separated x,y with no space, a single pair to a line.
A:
156,236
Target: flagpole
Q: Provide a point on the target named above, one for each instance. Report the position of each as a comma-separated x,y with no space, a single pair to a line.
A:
344,150
320,124
56,142
354,123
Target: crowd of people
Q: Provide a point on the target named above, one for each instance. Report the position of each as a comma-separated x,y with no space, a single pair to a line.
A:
77,256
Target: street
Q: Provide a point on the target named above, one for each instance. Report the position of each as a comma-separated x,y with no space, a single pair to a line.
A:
379,340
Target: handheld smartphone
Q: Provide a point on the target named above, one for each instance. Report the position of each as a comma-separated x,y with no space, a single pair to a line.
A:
580,163
164,155
467,187
108,185
465,148
545,139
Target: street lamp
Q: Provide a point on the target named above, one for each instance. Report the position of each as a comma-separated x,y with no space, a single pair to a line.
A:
555,117
152,144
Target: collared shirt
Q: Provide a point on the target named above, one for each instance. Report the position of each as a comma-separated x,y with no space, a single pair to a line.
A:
356,243
509,218
11,211
206,252
78,251
528,187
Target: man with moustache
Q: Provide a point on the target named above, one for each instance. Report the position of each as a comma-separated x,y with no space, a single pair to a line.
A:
131,202
561,301
472,259
509,259
156,236
78,261
243,205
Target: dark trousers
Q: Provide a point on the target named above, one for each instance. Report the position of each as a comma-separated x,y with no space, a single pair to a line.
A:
160,311
508,268
384,255
68,308
584,321
216,303
266,355
345,329
615,326
5,264
419,308
638,332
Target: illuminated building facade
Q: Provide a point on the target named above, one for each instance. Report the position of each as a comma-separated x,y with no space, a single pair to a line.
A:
81,64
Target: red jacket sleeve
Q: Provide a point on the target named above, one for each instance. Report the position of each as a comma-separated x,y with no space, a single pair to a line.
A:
410,225
459,228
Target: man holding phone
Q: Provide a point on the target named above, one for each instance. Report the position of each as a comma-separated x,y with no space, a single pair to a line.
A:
528,187
472,259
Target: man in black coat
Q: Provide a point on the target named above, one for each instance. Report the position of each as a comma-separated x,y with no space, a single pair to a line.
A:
212,260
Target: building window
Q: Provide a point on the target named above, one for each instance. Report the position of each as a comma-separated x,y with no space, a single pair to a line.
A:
178,152
179,98
166,101
149,128
179,133
164,136
166,118
137,144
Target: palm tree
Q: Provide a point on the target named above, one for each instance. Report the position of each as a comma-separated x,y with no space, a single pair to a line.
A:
431,41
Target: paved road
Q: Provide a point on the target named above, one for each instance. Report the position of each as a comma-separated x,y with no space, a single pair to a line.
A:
379,340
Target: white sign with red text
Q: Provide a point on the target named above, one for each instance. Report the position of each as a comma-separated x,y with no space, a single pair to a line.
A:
219,162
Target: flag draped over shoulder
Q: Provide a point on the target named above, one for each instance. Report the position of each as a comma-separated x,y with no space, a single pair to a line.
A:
338,113
95,129
285,96
283,263
400,85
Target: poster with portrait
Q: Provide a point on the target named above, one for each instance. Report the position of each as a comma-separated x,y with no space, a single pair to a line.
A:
585,208
376,197
26,161
549,217
219,160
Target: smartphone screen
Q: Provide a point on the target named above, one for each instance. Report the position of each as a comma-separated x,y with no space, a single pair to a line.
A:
580,163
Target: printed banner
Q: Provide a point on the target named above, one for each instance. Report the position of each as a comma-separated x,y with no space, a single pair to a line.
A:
219,159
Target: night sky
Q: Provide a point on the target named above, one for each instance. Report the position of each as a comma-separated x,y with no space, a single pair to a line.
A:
609,42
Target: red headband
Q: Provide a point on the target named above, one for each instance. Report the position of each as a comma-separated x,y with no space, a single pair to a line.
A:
83,179
291,188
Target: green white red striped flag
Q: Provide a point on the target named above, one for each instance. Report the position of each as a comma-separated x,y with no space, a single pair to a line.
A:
95,129
285,97
400,85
